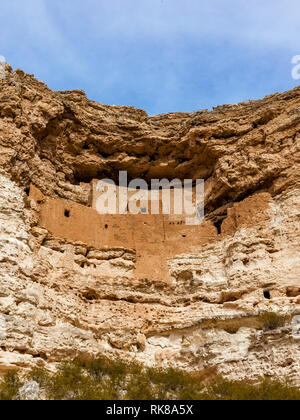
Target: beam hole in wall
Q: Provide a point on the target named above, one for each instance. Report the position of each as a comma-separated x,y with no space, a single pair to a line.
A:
106,226
267,294
90,296
67,213
40,356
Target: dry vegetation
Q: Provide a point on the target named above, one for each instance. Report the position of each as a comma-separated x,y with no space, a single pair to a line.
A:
103,379
272,321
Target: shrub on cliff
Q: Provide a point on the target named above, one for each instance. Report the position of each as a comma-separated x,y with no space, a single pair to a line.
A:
104,379
265,390
272,321
71,382
10,385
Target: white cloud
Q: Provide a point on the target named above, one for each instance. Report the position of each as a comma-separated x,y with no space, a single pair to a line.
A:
121,50
270,22
31,36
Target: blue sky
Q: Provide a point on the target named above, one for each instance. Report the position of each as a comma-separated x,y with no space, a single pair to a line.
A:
158,55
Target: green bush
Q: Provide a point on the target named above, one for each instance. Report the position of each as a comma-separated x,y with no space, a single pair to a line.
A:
39,375
104,379
272,321
71,382
175,384
10,385
139,388
102,367
265,390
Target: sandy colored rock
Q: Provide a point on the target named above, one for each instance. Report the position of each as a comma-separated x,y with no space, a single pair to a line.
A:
68,291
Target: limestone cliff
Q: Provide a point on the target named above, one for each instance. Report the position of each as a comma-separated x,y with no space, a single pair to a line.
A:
61,297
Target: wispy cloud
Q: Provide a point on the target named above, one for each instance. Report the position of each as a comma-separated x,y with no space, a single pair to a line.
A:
162,55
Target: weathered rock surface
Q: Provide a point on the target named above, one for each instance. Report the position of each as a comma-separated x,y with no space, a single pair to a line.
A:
59,299
30,391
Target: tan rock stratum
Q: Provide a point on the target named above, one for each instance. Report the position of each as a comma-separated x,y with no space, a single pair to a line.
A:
73,282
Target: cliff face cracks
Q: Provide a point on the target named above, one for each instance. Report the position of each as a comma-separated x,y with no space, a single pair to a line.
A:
61,297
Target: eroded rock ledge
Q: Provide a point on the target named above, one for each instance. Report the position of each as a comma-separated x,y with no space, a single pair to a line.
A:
60,297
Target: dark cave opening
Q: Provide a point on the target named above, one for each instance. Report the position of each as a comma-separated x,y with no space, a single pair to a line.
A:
218,225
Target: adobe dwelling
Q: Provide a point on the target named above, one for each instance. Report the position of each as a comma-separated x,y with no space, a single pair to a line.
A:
154,238
147,287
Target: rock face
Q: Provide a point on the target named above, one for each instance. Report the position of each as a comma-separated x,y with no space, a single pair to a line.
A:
30,391
63,296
